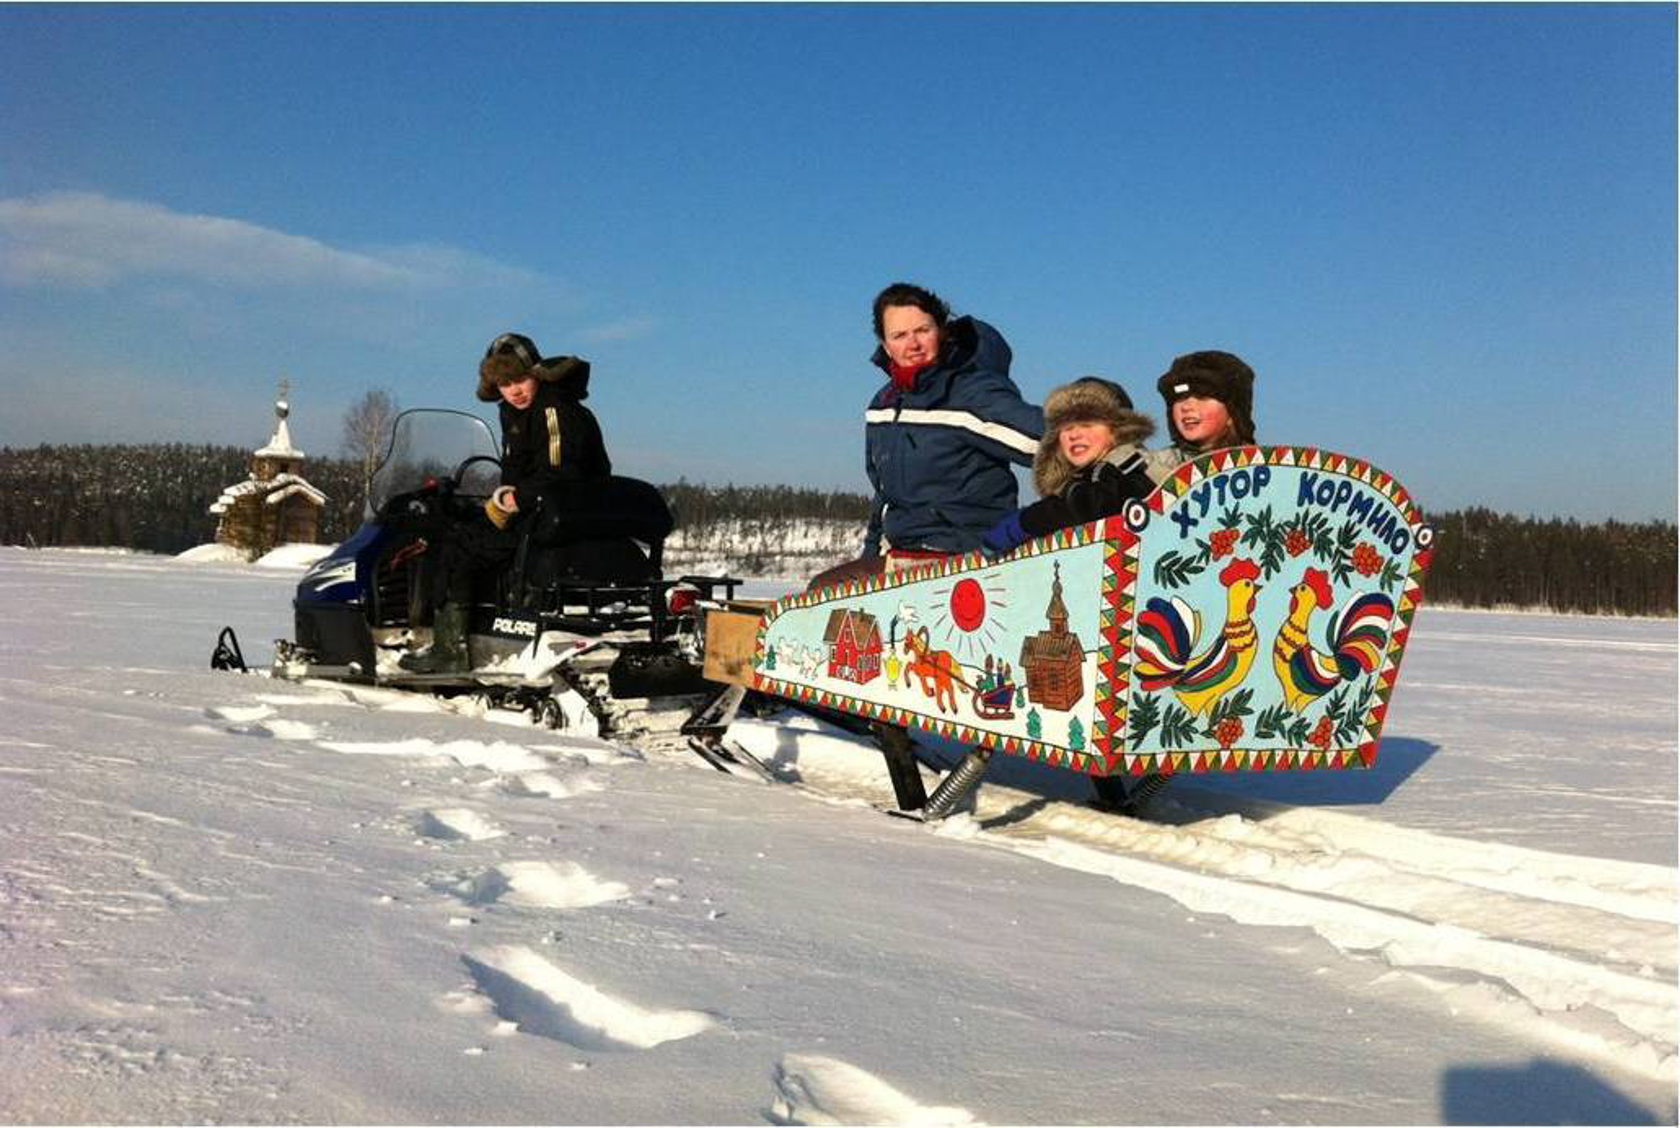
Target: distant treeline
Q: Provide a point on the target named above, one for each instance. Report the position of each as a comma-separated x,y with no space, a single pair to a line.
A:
698,505
1488,559
156,498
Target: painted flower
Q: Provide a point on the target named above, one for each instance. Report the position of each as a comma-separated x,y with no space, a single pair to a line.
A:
1365,559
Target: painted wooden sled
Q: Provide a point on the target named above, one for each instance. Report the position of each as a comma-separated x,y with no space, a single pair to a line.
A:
1249,615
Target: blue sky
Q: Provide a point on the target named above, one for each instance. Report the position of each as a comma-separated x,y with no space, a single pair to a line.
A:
1443,235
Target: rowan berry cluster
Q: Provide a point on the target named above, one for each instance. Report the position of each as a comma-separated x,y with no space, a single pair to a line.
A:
1365,559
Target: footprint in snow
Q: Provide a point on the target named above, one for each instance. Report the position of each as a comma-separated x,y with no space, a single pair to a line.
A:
811,1089
239,714
547,785
597,755
259,720
284,730
539,998
540,885
455,824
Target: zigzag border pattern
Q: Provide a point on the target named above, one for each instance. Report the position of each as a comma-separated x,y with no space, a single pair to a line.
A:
1191,473
1075,537
1115,644
1032,749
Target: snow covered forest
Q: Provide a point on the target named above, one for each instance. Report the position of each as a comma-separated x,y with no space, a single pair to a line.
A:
156,498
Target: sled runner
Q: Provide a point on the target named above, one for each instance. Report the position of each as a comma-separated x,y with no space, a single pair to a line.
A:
1251,614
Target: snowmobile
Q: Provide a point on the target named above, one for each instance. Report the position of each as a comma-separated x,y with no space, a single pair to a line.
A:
584,605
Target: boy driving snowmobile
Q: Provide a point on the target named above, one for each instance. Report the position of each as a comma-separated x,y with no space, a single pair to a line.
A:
554,472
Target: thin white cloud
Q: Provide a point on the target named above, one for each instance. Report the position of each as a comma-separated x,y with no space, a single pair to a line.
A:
83,239
435,265
627,329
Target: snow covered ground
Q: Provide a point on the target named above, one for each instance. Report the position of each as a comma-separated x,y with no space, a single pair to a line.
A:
229,898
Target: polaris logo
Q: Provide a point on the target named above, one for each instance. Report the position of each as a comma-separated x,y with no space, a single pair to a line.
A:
332,572
521,628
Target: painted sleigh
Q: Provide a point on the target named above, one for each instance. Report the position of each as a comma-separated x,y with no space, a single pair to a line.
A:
1251,614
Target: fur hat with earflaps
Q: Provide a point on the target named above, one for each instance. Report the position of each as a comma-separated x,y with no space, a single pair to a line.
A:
1215,375
514,356
1089,399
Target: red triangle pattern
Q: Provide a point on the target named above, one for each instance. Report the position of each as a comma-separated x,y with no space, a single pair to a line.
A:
1111,712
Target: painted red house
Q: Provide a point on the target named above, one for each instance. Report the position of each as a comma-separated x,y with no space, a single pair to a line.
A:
854,646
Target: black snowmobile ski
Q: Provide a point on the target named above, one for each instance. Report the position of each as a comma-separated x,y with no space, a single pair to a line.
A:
705,730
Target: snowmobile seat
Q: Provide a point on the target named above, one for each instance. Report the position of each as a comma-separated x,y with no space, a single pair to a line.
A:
608,533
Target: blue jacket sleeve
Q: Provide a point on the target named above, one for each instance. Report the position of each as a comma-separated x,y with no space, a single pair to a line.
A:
1005,536
872,533
1004,425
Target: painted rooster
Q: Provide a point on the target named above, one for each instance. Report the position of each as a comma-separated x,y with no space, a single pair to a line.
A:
1168,632
1355,637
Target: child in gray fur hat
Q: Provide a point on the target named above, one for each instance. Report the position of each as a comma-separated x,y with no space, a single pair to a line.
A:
1090,462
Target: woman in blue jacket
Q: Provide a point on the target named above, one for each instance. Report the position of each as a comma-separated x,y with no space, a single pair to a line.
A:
940,434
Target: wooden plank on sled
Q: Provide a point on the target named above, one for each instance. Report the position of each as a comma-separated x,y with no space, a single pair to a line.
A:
731,639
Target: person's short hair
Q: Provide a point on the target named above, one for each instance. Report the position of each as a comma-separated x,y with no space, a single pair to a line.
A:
909,294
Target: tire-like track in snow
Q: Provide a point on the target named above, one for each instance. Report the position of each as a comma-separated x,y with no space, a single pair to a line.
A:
1495,931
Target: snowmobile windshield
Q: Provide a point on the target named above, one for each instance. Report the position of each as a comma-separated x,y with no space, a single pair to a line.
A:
433,443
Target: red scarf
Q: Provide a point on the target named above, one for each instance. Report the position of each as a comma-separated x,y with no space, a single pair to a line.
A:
904,375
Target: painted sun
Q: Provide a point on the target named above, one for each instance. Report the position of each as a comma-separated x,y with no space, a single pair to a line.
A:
968,604
964,611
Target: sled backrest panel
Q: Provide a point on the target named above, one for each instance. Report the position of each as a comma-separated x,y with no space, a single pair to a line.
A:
1251,614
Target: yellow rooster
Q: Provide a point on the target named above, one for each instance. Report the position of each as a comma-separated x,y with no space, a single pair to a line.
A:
1355,637
1168,632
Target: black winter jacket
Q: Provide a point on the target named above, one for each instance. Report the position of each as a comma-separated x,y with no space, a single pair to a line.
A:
1098,490
554,446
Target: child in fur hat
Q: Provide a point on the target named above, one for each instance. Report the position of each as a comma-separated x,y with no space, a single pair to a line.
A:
1090,462
1210,403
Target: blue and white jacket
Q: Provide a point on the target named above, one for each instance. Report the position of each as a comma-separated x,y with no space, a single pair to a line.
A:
939,454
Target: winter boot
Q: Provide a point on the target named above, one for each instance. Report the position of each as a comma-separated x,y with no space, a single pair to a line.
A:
448,652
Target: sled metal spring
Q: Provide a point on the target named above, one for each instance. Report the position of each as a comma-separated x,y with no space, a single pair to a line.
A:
1151,786
961,780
